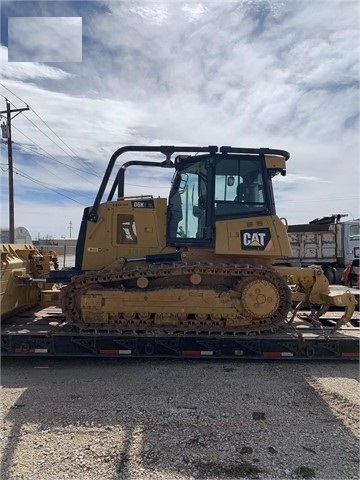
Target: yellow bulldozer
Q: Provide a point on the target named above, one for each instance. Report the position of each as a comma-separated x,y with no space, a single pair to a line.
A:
201,260
24,273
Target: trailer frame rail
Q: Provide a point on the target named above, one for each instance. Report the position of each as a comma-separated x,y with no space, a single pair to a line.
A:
43,333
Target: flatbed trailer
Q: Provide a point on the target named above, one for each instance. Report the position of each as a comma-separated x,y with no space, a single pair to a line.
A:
42,332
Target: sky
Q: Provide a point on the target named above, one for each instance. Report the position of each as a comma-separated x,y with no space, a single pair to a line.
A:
100,75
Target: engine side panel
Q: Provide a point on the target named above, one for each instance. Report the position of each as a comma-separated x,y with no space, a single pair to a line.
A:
264,236
130,227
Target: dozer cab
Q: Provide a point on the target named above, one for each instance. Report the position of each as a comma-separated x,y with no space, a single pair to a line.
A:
199,261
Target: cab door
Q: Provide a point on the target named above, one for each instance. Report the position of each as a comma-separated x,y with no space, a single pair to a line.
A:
351,241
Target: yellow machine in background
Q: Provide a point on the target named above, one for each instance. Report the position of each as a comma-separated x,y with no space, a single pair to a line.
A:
24,270
199,261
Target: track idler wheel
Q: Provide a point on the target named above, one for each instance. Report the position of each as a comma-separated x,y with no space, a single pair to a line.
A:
260,298
265,298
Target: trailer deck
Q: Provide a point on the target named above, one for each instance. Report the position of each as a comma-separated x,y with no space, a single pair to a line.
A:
43,332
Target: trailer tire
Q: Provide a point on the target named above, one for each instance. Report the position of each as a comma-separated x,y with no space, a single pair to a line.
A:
338,274
330,274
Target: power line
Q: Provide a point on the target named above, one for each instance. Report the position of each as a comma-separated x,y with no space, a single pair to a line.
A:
71,150
49,155
47,136
55,159
94,173
28,177
8,89
51,172
43,121
3,96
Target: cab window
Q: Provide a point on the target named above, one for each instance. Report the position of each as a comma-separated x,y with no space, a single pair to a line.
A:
187,203
239,188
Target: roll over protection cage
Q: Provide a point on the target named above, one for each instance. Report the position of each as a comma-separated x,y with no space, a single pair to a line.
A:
168,151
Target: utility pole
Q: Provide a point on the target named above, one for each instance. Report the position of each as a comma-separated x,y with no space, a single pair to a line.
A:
70,227
8,112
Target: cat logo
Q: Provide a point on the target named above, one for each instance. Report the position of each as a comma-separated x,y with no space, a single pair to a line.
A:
256,239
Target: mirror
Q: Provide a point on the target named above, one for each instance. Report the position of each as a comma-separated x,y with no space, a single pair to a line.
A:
230,181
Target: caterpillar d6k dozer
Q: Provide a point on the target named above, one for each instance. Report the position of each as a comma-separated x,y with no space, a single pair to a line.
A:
199,261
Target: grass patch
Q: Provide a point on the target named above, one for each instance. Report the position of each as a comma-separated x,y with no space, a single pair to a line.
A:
305,472
238,470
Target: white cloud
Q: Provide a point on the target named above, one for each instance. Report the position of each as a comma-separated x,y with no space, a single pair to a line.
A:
194,11
45,39
29,70
155,14
248,73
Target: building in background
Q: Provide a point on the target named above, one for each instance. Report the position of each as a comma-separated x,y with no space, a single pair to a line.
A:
21,234
61,246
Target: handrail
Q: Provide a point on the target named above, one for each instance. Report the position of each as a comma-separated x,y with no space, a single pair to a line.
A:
167,150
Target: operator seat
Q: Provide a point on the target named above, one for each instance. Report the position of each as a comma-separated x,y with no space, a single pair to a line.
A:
242,194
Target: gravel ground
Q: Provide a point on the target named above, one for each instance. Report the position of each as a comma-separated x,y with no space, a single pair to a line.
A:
178,419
